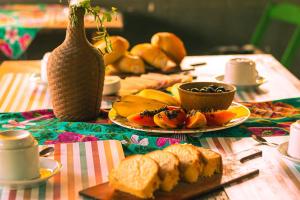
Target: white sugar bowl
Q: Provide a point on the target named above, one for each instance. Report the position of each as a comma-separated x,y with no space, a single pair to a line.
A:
112,85
19,156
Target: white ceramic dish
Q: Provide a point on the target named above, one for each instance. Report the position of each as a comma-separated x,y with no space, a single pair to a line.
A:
242,112
259,81
112,85
282,149
48,168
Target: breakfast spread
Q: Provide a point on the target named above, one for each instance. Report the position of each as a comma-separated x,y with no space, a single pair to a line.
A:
154,108
142,175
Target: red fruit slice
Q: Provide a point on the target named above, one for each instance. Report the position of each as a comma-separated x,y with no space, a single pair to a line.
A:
195,119
219,118
141,120
170,118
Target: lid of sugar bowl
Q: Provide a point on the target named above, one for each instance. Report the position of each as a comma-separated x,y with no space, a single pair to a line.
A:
15,139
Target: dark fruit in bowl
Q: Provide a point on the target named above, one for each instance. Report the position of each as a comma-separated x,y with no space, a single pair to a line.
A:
209,89
172,118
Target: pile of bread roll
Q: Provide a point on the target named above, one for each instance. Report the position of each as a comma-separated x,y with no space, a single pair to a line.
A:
165,52
142,175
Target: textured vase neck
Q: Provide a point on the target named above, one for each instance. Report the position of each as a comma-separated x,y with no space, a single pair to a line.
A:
75,28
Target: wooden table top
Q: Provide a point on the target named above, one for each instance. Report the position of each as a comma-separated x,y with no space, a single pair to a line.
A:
19,93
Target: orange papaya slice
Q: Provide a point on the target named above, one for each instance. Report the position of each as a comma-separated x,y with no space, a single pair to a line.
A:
195,119
219,118
141,120
169,119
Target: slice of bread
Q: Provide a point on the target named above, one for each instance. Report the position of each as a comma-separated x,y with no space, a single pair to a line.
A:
168,168
212,162
136,175
190,161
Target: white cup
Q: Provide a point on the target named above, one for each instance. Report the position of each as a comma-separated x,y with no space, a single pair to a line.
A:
19,156
294,141
241,72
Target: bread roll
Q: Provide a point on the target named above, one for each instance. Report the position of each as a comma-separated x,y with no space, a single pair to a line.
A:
168,168
136,175
170,44
130,64
154,56
111,70
119,46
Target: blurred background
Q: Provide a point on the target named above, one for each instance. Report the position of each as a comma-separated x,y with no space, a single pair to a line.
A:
202,25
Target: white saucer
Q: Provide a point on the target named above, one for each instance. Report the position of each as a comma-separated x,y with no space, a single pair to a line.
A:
48,168
259,81
282,149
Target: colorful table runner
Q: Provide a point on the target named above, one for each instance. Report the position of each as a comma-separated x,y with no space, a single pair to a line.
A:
19,24
84,165
267,119
15,36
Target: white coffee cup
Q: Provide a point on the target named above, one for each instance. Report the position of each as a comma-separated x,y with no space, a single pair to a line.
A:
241,72
294,141
19,156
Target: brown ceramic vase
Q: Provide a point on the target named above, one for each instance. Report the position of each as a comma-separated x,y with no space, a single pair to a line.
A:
76,75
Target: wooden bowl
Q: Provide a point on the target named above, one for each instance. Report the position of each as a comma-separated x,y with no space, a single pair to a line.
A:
205,101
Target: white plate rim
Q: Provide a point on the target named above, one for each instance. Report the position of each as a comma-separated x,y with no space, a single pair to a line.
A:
282,149
24,183
187,131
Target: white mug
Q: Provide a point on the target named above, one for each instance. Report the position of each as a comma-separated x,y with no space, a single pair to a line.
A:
294,141
19,156
240,72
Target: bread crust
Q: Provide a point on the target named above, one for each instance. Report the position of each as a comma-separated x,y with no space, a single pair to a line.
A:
170,44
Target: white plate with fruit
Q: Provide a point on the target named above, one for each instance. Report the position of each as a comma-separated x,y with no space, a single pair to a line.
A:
157,112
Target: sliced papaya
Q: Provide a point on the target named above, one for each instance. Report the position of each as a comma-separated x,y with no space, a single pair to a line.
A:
195,119
141,120
130,105
169,119
219,118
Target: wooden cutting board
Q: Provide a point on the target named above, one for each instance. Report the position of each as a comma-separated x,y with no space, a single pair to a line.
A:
233,170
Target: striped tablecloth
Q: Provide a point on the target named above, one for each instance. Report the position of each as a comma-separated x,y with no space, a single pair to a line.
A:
84,165
18,92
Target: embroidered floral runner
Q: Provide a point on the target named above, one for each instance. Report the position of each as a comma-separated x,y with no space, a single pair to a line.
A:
267,119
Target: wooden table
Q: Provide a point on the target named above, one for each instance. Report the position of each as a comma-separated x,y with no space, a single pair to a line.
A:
278,179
